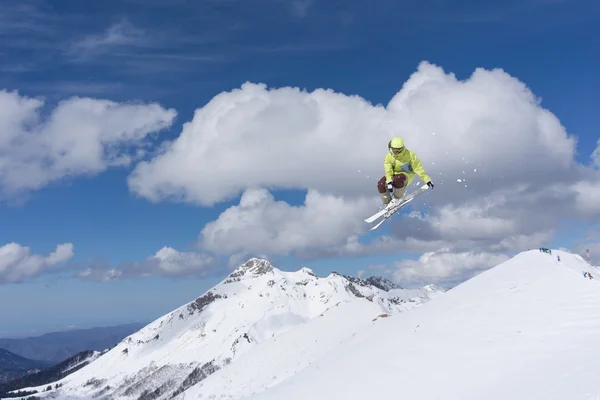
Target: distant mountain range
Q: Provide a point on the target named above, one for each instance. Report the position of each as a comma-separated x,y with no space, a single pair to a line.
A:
58,346
43,376
13,365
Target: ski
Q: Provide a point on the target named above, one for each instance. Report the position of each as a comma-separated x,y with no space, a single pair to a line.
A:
375,216
387,213
391,212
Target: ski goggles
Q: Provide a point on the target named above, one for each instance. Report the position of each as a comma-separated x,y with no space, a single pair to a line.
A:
398,151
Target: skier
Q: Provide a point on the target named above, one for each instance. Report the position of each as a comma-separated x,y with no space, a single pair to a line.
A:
400,166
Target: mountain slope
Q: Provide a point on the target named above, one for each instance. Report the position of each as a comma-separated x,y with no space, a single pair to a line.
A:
13,365
254,305
526,329
275,361
58,346
50,374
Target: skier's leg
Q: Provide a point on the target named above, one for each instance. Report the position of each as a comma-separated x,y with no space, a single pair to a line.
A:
400,182
383,193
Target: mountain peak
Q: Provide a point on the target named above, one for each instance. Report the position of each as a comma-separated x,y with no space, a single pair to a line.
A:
252,268
377,281
307,271
382,283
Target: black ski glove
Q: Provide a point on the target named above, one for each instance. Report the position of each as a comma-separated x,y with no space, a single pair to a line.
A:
430,184
390,187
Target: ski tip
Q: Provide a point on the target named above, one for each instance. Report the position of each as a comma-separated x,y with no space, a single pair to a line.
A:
375,227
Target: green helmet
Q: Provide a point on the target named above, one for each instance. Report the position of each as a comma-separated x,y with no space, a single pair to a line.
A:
396,143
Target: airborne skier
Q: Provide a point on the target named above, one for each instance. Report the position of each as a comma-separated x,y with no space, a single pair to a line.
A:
400,165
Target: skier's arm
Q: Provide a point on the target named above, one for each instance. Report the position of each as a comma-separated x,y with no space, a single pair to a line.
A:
416,165
388,167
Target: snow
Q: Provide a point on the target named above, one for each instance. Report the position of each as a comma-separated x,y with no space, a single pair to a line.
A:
85,360
528,328
246,312
278,360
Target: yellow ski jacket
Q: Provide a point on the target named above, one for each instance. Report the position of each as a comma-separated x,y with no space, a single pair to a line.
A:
406,162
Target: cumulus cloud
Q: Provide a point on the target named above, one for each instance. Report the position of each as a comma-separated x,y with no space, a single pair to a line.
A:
444,267
166,262
289,138
387,245
587,198
261,224
503,165
589,246
501,222
17,263
253,137
80,136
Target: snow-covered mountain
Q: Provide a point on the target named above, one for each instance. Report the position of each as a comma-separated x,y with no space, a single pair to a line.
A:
527,329
253,308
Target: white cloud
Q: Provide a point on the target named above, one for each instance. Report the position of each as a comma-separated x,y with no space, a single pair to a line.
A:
590,249
521,242
587,198
99,274
122,33
320,140
252,137
444,267
596,155
388,244
501,221
377,269
81,136
170,262
261,224
502,164
166,262
17,263
469,222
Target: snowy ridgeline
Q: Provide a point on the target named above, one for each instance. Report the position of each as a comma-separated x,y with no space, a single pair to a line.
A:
526,329
255,305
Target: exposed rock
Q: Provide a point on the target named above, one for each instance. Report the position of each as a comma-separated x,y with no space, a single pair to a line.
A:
201,302
251,268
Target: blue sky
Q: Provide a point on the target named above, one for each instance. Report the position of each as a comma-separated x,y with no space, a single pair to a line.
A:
181,54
